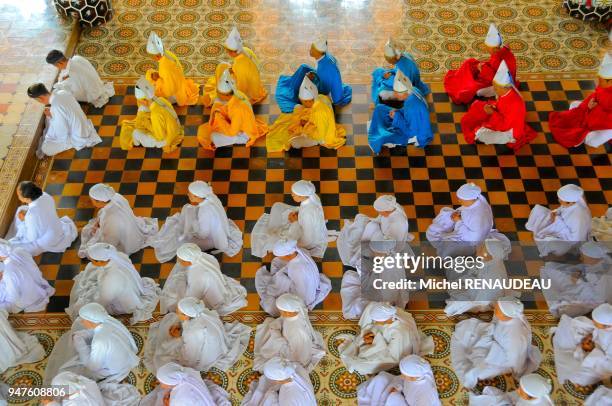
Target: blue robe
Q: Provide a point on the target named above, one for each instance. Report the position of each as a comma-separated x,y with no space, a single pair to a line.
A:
408,67
327,79
412,120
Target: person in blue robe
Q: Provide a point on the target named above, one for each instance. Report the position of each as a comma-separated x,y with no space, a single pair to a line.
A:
408,125
382,79
326,76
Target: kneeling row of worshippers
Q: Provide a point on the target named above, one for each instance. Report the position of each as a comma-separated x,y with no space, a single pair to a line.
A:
307,100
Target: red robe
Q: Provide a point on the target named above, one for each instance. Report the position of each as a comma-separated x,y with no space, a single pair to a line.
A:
463,83
570,128
509,114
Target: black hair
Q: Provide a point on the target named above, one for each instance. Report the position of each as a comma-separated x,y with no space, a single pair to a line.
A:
55,56
37,90
30,190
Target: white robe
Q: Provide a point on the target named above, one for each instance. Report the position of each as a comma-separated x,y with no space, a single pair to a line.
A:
83,82
461,237
601,397
299,276
219,292
104,394
182,395
42,230
68,127
293,339
576,289
481,350
492,396
572,226
392,342
205,225
309,230
572,362
205,342
22,286
364,229
601,227
106,353
116,286
117,225
18,347
376,391
298,392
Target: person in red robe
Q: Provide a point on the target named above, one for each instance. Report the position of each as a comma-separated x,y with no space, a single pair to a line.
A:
474,78
589,121
500,121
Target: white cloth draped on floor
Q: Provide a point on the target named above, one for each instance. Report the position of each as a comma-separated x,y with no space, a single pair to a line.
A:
575,364
81,79
82,391
117,286
205,341
67,127
391,341
18,347
42,230
299,276
203,280
116,224
290,338
22,286
601,397
108,352
601,227
205,224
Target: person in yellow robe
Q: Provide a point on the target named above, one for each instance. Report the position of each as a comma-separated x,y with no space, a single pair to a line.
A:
311,123
232,120
156,124
244,68
169,80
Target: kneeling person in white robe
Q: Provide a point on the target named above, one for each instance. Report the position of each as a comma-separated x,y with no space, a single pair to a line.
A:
387,335
197,274
111,280
601,397
292,271
115,223
533,390
82,391
462,230
577,289
358,288
283,383
493,253
97,346
66,125
181,386
583,347
202,221
37,228
290,337
79,77
481,350
415,386
18,347
195,337
305,224
390,224
559,231
22,286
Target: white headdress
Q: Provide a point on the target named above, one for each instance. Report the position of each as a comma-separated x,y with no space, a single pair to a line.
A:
320,44
493,38
469,191
226,83
605,70
503,77
308,90
570,193
401,83
233,41
155,46
145,88
390,50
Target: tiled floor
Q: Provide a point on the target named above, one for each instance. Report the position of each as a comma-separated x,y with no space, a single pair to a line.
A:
248,180
439,33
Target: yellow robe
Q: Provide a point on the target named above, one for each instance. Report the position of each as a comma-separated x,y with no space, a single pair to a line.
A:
158,123
231,118
246,74
317,122
172,81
